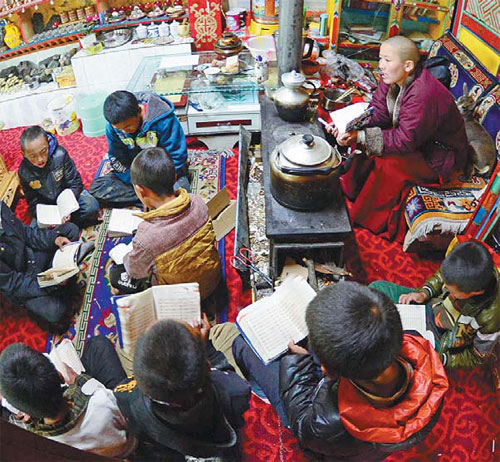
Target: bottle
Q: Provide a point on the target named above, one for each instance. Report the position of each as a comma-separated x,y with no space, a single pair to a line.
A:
323,20
164,29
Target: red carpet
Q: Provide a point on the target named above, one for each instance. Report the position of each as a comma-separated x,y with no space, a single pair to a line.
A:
470,415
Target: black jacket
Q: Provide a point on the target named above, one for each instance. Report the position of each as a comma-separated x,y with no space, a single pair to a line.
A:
43,185
311,404
206,430
24,252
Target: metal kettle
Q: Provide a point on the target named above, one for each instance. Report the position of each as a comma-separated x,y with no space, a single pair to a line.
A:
292,99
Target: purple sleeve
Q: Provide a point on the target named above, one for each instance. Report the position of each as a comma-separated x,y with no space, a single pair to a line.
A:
380,117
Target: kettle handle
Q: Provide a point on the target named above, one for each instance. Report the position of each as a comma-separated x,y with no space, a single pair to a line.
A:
307,171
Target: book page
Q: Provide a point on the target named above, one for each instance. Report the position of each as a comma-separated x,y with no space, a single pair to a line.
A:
178,301
65,258
123,222
118,252
413,317
137,314
67,203
47,215
271,322
64,354
53,277
342,117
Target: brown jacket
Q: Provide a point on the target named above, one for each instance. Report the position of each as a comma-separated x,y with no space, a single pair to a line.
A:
176,244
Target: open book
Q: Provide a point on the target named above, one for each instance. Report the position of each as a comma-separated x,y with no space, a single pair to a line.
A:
118,252
123,222
345,119
138,312
413,317
64,266
64,354
52,215
270,323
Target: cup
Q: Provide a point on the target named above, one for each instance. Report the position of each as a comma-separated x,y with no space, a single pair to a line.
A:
232,20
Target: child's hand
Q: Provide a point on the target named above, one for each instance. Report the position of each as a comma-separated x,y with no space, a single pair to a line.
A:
296,349
414,297
61,241
65,219
332,129
203,327
346,139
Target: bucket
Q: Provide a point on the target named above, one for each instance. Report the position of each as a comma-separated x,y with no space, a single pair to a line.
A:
90,111
63,115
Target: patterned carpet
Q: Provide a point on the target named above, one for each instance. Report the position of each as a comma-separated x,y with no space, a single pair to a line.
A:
469,421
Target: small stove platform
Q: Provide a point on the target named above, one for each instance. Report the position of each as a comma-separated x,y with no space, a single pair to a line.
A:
289,229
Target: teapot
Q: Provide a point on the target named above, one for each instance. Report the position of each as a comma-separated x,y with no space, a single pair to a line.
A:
292,99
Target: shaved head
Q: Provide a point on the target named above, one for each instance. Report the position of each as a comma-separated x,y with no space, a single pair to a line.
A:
404,47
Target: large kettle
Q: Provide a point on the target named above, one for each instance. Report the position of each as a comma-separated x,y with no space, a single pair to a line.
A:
304,173
292,99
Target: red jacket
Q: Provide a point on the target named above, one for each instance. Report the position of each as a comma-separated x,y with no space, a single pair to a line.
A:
331,418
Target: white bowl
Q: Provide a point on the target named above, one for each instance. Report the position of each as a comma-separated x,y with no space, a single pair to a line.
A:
262,45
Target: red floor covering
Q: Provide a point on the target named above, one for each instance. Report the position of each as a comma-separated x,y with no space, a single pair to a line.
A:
469,421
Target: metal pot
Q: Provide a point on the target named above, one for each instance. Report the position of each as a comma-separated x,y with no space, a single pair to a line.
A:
304,173
292,100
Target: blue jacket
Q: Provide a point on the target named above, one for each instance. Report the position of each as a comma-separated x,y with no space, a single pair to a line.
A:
160,128
43,185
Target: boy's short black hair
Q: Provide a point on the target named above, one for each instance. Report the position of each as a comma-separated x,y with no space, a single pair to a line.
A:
30,382
29,134
120,106
355,331
153,168
469,266
169,361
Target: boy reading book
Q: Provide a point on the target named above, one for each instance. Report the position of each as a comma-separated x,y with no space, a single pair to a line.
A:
175,243
24,253
135,122
81,410
369,398
177,403
46,171
465,298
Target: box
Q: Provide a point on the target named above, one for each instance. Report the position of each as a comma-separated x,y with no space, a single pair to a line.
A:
222,212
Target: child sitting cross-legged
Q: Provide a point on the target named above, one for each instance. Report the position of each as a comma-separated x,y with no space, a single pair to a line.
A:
375,391
175,243
465,298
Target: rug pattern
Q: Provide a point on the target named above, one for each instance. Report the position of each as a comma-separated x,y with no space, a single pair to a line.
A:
469,420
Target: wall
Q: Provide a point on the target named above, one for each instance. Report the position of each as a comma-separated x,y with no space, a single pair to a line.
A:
477,26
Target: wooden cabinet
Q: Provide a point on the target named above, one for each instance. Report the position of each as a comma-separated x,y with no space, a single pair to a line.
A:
351,21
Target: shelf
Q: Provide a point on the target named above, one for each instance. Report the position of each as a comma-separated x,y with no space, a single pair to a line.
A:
40,45
427,6
131,23
22,7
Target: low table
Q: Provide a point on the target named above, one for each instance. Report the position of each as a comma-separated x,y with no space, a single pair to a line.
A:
289,229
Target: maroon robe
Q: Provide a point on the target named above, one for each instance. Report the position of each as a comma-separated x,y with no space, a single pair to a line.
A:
416,136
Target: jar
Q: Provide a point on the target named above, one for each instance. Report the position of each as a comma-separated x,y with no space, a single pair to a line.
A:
72,16
164,29
64,17
152,31
80,14
89,10
141,31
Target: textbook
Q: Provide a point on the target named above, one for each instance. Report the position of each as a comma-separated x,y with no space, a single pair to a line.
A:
123,222
64,266
346,119
64,354
118,252
52,215
413,317
138,312
270,323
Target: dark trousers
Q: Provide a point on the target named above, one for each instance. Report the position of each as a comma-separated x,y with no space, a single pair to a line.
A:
266,376
101,362
112,192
